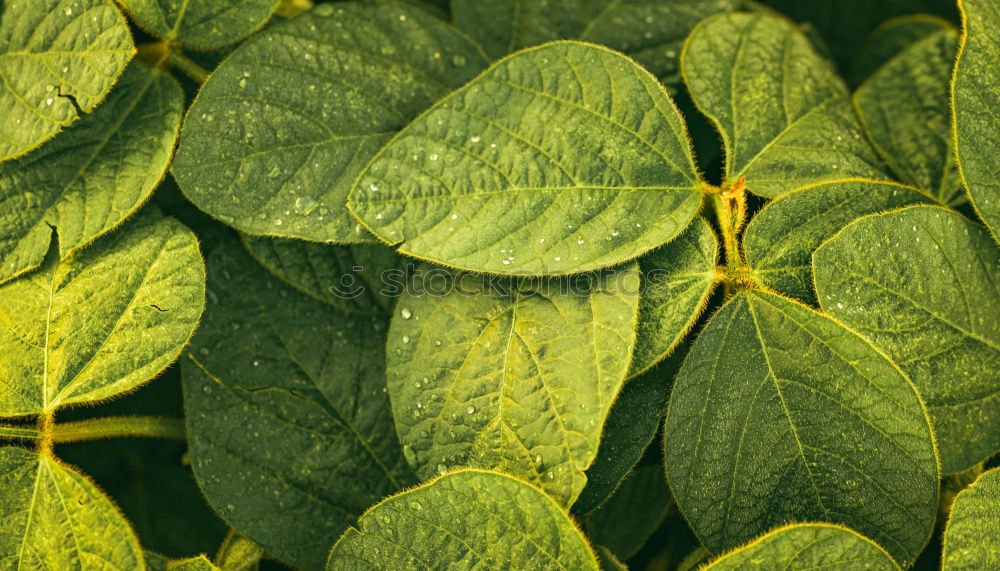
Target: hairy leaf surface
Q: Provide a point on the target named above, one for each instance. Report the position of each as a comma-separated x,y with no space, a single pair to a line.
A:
518,375
781,414
807,546
200,24
930,298
975,99
560,159
57,58
891,38
157,562
279,132
55,518
94,175
288,422
624,523
467,519
780,239
905,110
973,532
783,113
102,322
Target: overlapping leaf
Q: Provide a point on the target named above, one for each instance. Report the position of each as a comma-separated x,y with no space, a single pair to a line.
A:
783,113
94,175
808,546
559,159
54,518
278,134
305,385
781,414
58,58
905,110
101,322
468,519
517,375
780,239
625,522
891,38
973,531
975,99
201,24
930,298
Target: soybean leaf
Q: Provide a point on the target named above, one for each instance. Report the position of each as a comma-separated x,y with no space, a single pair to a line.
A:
889,39
94,175
780,239
517,375
305,385
468,519
624,523
807,546
58,58
558,159
360,279
973,530
905,110
648,31
783,113
975,99
930,299
279,132
157,562
102,322
677,280
55,518
781,414
201,24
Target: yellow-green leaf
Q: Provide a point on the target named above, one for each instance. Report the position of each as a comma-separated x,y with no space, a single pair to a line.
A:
200,24
972,537
807,546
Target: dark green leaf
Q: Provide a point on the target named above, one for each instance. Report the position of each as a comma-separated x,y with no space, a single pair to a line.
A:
973,532
632,513
200,24
889,39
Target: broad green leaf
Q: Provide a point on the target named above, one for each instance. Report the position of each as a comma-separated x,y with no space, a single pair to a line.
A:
94,175
102,322
558,159
517,375
288,422
782,414
157,562
783,113
239,553
973,532
467,519
677,280
361,279
807,546
607,560
975,99
55,518
905,110
624,523
930,299
200,24
58,58
889,39
780,239
649,31
280,131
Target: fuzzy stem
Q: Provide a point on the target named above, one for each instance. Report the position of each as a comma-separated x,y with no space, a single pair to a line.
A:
19,432
177,60
118,426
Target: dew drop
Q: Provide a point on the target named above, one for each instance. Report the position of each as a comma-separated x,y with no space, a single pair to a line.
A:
278,222
471,410
442,469
406,339
433,157
405,313
474,139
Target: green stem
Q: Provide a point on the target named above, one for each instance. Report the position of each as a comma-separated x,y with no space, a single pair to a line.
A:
730,207
19,432
175,59
119,426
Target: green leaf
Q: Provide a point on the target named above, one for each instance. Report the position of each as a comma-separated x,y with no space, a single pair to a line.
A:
975,99
278,134
102,322
677,280
94,175
889,39
55,518
354,279
929,299
200,24
781,414
518,375
57,58
157,562
783,113
288,422
559,159
468,519
905,110
780,239
973,532
807,546
607,559
625,522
